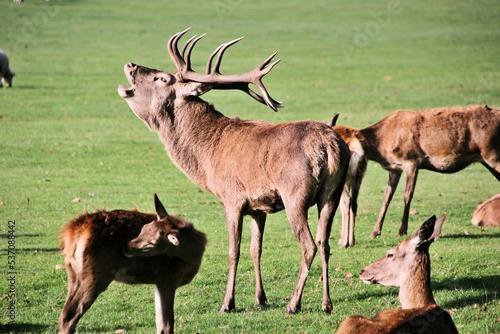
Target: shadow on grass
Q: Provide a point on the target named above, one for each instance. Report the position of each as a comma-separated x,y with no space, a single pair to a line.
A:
489,286
474,236
23,328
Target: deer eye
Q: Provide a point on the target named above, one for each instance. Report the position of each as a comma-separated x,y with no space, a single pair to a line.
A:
163,79
389,255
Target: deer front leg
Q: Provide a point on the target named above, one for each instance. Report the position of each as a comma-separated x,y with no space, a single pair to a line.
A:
411,181
164,306
298,222
258,224
392,184
234,221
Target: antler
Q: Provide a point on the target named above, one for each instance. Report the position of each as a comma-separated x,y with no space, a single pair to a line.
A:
213,76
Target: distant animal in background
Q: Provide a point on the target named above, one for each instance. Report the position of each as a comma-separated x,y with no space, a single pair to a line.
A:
407,266
444,140
253,167
6,74
133,248
488,213
18,1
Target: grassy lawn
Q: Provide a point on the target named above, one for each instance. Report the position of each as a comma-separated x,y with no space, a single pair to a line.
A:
65,134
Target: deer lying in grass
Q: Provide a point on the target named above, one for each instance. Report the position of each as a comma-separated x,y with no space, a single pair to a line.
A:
253,167
407,266
488,213
444,140
129,247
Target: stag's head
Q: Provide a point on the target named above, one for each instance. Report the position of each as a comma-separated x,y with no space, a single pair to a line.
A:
161,236
154,92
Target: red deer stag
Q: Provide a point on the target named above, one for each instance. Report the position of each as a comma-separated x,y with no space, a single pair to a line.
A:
407,266
253,167
488,213
133,248
444,140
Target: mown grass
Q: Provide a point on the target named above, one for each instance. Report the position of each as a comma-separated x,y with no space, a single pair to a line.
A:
66,134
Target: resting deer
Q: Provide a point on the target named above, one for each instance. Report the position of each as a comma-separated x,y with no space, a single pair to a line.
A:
253,167
444,140
407,266
487,213
133,248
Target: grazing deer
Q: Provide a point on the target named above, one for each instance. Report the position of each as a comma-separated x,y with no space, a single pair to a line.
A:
488,213
444,140
407,266
253,167
133,248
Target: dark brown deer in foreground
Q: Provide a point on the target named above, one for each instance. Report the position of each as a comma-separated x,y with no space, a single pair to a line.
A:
253,167
407,266
133,248
444,140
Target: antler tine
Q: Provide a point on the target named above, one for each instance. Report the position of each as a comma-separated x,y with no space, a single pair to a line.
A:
187,58
222,49
209,62
262,70
174,51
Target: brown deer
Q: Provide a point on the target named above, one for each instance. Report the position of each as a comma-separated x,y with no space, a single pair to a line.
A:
488,213
129,247
408,267
253,167
444,140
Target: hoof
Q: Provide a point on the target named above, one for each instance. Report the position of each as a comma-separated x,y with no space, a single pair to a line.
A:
226,309
373,235
292,310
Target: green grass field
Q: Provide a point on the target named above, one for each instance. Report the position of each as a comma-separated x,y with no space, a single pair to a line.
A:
66,134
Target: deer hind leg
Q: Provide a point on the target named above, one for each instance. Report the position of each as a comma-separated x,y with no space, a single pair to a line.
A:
493,168
297,216
258,224
326,209
345,208
234,221
392,184
82,292
164,306
411,181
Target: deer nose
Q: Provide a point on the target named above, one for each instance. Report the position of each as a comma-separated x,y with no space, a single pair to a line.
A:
130,65
361,272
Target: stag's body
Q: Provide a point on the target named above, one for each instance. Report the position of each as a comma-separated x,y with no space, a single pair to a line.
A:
104,246
487,213
253,167
444,140
408,267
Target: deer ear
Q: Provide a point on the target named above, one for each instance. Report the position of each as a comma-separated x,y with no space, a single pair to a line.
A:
333,121
426,231
173,239
160,209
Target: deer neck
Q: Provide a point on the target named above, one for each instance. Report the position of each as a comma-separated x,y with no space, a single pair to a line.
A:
190,132
415,288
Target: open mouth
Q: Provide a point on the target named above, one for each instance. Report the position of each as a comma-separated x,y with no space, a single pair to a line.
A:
128,92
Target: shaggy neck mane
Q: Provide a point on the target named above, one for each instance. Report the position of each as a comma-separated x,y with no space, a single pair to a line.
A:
190,133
